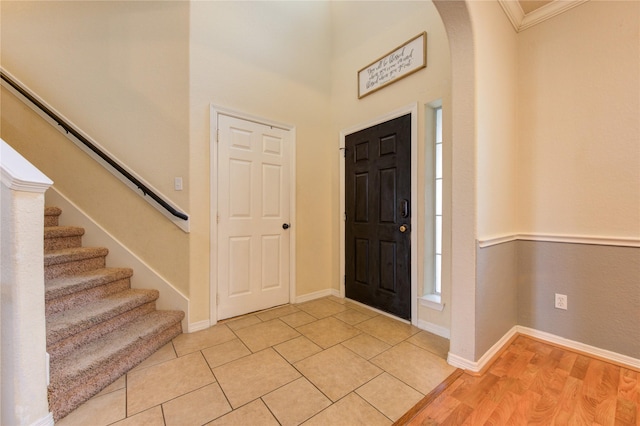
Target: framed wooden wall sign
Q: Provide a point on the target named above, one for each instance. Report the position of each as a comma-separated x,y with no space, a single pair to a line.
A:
397,64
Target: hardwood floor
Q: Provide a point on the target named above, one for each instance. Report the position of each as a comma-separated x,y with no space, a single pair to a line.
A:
534,383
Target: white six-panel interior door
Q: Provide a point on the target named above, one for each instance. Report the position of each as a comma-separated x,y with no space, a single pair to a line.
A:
253,202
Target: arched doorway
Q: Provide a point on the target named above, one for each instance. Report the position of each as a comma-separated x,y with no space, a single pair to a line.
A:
457,21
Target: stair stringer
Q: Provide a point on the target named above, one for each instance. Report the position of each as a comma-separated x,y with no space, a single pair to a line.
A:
144,276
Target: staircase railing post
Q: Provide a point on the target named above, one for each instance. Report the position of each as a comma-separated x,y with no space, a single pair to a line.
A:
23,365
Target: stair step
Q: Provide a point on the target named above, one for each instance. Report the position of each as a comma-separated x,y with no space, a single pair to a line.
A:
66,292
51,215
62,237
86,371
66,262
96,315
98,328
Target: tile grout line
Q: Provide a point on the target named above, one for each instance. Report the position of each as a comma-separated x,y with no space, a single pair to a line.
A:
280,317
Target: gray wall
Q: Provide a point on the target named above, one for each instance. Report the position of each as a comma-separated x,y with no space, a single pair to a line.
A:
496,295
603,288
517,282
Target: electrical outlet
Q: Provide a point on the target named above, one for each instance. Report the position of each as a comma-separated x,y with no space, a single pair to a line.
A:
561,301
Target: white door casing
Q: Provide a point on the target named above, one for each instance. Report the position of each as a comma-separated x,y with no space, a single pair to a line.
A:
252,259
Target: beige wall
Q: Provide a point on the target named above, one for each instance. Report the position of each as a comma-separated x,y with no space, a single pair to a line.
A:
554,119
363,32
579,122
148,66
496,109
119,70
267,59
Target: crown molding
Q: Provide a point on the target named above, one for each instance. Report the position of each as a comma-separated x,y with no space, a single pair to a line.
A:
522,21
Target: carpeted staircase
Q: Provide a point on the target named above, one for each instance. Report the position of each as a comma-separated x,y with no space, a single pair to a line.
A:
98,327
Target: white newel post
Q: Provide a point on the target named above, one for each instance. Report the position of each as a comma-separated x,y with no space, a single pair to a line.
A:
23,365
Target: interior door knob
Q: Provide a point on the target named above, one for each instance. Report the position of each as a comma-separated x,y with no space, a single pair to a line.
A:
403,228
285,226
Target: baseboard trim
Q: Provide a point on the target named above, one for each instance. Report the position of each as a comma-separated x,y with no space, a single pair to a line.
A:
592,351
434,329
317,295
198,326
478,367
44,421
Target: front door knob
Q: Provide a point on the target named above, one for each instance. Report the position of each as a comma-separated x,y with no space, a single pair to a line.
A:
403,228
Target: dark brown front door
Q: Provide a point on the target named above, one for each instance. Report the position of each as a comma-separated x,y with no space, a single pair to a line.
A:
378,216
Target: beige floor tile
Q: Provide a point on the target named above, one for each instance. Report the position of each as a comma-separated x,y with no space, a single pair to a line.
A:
163,354
253,414
337,299
322,308
225,352
255,375
415,366
387,329
261,336
361,308
162,382
120,383
337,371
151,417
349,411
176,383
328,332
242,322
192,342
352,317
366,345
98,411
198,407
297,349
298,318
308,402
277,312
431,342
389,395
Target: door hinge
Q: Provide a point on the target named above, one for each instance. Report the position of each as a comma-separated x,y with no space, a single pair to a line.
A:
217,135
345,216
217,217
345,279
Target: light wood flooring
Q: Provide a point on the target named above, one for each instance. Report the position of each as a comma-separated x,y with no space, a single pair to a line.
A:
534,383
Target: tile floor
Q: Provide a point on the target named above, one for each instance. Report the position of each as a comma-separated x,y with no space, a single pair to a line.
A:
325,362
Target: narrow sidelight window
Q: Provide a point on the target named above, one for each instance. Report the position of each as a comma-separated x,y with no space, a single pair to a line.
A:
437,287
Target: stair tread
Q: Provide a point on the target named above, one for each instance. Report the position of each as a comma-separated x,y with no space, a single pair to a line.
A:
62,231
99,352
52,211
97,327
63,286
56,257
66,323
